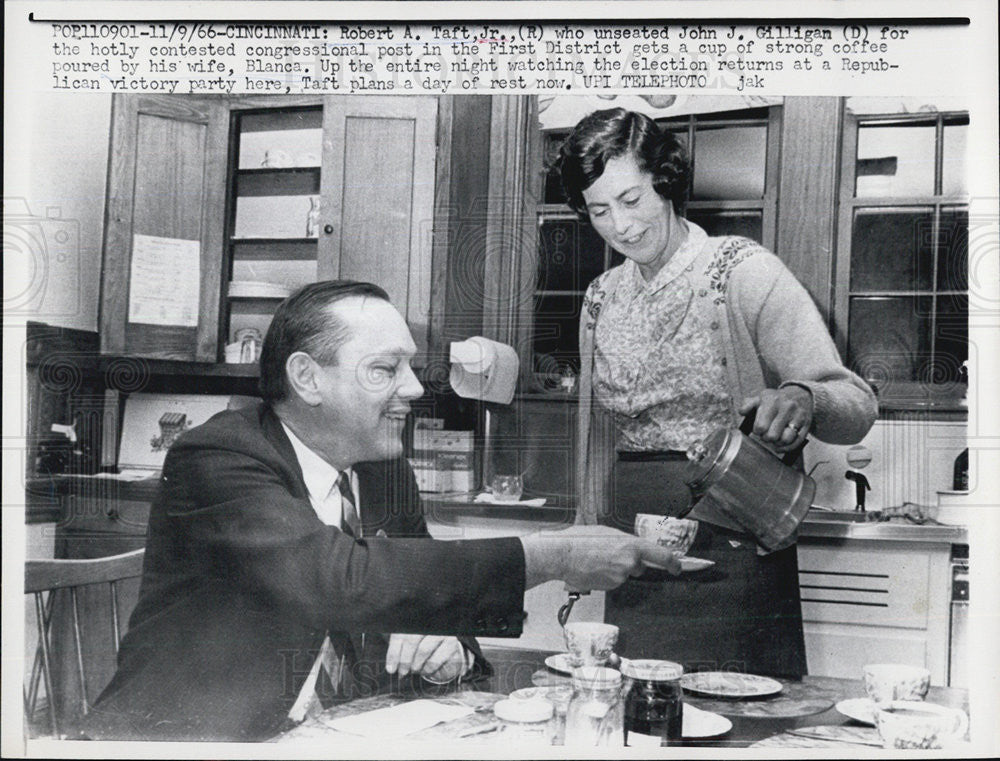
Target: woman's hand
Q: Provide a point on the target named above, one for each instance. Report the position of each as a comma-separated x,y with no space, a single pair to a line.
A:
784,416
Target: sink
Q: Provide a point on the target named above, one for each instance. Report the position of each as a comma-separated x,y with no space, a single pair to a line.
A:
839,516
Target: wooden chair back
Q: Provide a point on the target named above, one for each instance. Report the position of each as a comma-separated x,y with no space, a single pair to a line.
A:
42,580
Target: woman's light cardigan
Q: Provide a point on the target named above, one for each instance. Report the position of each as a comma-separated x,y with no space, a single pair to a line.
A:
772,335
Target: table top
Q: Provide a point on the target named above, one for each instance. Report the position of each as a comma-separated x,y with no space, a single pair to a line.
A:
801,707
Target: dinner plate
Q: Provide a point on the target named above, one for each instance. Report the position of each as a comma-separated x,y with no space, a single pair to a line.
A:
859,709
730,684
688,564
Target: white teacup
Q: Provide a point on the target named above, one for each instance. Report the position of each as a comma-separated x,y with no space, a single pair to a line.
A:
910,724
885,682
676,534
590,643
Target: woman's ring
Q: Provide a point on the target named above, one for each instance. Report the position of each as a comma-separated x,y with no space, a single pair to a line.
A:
793,427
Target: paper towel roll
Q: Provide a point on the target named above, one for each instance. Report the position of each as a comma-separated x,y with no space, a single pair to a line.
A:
484,369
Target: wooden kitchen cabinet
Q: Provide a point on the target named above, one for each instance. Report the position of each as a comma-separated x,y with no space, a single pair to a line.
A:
875,601
378,198
277,193
166,178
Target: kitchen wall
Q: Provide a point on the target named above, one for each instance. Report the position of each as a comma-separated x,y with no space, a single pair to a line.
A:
911,460
54,188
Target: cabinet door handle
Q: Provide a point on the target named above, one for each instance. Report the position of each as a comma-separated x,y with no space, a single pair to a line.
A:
328,229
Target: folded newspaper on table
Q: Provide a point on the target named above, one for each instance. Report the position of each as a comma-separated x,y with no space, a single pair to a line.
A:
400,720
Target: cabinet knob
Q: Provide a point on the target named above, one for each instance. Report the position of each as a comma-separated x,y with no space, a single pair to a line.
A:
328,229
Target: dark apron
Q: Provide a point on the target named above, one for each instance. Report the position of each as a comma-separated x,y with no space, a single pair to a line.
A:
743,613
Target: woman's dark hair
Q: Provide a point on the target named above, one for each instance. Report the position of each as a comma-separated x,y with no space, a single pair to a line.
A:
611,134
302,322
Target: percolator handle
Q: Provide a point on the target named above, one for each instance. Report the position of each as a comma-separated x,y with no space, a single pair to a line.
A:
789,458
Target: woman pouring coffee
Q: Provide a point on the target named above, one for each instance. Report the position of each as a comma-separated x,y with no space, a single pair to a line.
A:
690,334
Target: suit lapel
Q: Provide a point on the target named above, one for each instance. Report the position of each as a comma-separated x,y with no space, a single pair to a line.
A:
270,425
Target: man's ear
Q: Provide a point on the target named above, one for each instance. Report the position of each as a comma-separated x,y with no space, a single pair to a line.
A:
301,371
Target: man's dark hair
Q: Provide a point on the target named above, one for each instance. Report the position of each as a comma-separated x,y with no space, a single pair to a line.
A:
611,134
303,322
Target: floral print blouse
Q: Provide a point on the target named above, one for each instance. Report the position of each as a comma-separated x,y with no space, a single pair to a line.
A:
658,363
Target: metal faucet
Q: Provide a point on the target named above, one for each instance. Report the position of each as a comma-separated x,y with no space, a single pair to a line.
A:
816,465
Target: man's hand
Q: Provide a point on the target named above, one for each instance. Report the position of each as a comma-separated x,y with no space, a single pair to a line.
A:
438,659
591,557
784,416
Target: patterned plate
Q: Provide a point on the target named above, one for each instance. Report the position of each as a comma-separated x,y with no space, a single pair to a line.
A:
730,684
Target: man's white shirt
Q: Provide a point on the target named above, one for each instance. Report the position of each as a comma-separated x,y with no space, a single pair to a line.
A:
320,478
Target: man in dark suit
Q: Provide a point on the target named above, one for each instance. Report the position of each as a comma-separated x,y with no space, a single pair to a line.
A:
259,576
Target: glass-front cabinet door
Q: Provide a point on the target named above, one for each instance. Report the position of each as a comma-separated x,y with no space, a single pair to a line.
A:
274,217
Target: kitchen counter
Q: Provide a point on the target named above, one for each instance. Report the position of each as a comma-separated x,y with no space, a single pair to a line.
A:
43,495
817,524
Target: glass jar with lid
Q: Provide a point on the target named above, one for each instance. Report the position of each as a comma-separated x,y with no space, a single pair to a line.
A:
525,721
654,703
596,715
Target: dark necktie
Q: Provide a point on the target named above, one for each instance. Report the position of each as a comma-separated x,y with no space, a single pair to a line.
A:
351,521
350,646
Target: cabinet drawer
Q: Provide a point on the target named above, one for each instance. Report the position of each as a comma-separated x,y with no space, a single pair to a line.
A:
881,587
88,515
844,654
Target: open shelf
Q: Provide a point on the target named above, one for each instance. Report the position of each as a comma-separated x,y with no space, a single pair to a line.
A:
290,181
179,367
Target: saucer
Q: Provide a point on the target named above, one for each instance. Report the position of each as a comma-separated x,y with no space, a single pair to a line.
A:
560,663
859,709
688,564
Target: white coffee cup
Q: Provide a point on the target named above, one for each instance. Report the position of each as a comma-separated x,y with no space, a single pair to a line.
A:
913,724
590,643
676,534
886,682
